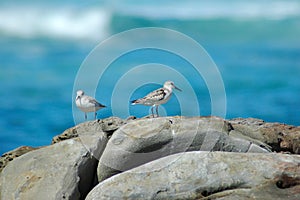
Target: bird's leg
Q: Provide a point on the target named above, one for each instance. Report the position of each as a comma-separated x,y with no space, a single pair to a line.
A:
95,114
85,116
157,110
152,111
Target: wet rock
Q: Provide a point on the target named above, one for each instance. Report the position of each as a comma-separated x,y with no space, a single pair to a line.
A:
207,175
144,140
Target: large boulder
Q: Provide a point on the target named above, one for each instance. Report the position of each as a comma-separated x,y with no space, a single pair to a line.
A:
144,140
65,170
97,127
9,156
281,137
207,175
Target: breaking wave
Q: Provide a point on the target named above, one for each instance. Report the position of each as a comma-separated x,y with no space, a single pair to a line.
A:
195,9
63,23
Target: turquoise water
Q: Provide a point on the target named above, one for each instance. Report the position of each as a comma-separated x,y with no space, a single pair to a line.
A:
256,46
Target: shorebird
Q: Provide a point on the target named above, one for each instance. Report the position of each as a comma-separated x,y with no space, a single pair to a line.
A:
87,104
157,97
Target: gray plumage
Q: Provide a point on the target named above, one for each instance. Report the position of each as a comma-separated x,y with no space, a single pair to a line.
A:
87,104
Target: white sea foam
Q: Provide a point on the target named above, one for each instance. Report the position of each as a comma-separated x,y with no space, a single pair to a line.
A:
93,23
64,23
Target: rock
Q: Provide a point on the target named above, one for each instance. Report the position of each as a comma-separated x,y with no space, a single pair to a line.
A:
9,156
65,170
67,134
280,137
238,135
289,140
108,125
144,140
111,124
69,168
207,175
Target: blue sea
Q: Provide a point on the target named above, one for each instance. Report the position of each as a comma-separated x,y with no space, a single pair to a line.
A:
255,46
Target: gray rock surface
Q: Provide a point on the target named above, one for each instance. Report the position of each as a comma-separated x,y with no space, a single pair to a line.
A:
68,168
9,156
108,125
207,175
281,137
144,140
65,170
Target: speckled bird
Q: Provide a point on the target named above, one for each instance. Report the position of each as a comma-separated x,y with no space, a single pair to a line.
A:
157,97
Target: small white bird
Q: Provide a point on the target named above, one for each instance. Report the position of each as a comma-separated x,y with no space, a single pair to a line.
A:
157,97
87,104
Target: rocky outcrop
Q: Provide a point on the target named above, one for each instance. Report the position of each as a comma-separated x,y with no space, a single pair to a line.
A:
9,156
221,159
280,137
207,175
65,170
108,126
145,140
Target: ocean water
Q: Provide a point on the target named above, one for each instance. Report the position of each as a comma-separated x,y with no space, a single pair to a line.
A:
255,45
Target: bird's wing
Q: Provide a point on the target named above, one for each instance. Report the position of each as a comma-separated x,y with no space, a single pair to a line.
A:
156,95
151,98
96,103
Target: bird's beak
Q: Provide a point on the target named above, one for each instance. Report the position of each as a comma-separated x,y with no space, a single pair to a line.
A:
177,88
